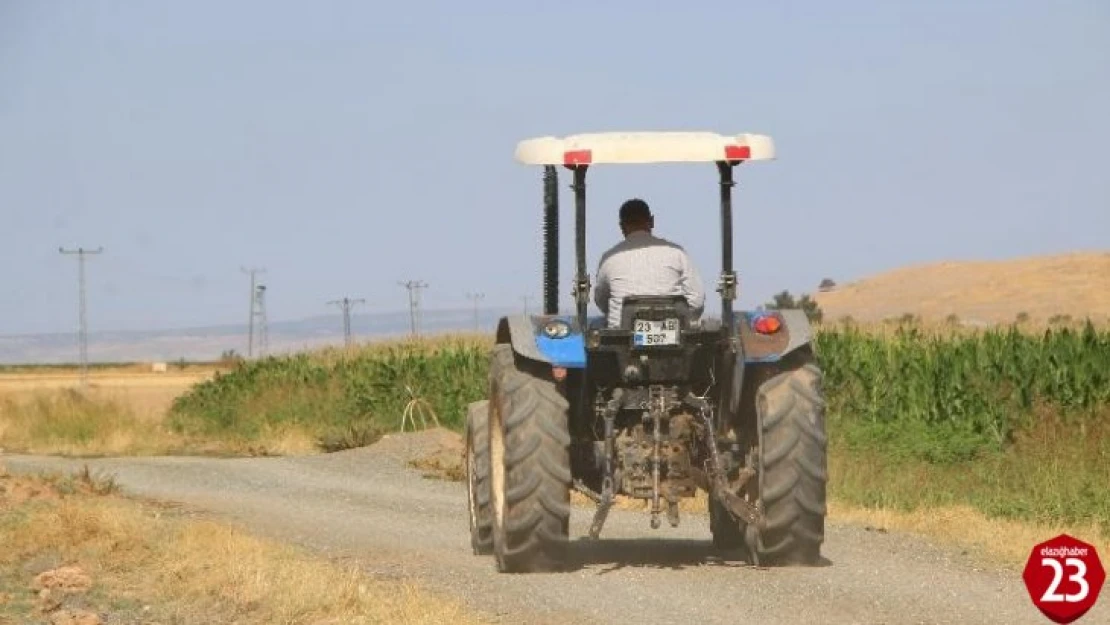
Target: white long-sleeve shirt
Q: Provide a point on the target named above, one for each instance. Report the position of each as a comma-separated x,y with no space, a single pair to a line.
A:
644,264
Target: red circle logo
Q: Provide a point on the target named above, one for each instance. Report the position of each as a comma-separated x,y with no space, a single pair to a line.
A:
1064,576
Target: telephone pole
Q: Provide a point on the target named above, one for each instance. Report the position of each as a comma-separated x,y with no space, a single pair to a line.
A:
414,287
475,297
263,329
526,298
346,304
83,332
253,272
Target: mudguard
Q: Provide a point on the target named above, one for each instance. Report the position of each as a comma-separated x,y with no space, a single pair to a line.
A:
794,332
527,336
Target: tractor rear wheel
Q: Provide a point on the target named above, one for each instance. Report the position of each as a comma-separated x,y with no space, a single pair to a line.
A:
793,466
530,475
477,477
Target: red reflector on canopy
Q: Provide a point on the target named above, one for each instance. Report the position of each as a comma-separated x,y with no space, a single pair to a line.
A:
577,157
737,152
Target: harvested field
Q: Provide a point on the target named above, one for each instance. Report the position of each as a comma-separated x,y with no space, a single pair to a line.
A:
1042,287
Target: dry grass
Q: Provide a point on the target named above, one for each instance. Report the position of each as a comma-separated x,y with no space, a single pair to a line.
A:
144,560
68,422
988,291
1000,541
97,423
145,395
122,412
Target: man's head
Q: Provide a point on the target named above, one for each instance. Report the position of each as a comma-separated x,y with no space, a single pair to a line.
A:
635,216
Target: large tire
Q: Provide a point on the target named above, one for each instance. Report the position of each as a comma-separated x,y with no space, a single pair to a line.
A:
530,477
793,469
477,478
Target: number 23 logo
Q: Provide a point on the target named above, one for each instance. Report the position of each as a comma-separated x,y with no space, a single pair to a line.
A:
1051,594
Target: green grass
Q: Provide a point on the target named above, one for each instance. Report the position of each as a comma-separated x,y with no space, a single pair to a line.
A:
1012,423
1051,473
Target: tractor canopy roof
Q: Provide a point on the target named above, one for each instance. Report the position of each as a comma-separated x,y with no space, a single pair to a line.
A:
644,147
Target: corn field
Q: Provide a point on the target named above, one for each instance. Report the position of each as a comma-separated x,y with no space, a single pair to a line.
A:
957,395
331,391
951,397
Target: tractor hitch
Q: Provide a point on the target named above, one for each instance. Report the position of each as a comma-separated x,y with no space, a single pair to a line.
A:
741,509
608,491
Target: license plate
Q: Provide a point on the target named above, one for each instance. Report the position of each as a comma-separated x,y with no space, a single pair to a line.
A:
651,332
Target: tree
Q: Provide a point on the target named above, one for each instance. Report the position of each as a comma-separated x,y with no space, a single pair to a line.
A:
826,285
781,301
784,300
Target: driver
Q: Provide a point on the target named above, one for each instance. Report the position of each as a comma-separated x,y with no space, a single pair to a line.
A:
643,264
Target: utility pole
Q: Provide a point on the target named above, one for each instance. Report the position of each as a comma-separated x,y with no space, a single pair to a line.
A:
263,329
526,298
83,332
346,304
414,287
475,297
253,271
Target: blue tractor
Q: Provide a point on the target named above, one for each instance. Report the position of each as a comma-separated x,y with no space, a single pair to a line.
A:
655,409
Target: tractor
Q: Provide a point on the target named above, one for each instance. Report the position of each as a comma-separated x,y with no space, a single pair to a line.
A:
655,409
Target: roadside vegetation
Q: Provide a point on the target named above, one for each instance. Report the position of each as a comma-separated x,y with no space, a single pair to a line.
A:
1009,422
77,552
338,398
1006,423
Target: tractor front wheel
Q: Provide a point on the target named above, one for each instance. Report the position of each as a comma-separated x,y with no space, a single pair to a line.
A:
477,477
530,475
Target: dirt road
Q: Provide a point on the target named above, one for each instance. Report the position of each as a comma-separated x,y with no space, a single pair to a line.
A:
367,505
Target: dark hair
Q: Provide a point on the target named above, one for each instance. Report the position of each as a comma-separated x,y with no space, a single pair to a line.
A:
635,211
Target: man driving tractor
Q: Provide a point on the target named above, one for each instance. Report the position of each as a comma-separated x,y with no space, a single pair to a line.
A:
643,264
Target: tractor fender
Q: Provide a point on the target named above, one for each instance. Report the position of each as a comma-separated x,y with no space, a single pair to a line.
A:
795,332
526,334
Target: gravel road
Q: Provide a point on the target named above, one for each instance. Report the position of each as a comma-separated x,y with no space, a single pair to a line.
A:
367,505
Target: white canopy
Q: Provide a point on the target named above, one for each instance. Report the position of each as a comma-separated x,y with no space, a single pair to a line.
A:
644,147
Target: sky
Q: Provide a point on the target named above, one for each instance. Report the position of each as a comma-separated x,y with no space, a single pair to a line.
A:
347,146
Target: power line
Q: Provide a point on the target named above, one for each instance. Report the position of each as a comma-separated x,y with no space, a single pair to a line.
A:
346,304
253,271
83,332
475,297
414,287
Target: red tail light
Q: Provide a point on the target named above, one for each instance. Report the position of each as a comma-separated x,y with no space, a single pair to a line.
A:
767,324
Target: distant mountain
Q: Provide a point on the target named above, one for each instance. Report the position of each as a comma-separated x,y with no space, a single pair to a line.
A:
207,343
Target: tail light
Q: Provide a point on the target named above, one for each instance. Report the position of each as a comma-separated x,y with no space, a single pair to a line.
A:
767,324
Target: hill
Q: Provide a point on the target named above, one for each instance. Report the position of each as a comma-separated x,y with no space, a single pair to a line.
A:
1076,284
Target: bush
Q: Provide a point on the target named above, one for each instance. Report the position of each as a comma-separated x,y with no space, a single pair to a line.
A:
343,399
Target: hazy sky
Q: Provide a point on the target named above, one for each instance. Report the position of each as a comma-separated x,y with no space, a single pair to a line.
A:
346,146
